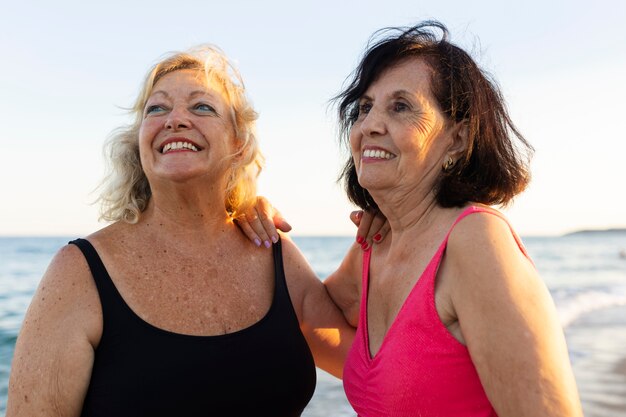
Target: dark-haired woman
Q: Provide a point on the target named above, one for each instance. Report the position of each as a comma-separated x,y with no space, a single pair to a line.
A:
453,319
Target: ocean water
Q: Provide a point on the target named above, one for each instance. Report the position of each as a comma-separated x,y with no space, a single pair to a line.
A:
586,275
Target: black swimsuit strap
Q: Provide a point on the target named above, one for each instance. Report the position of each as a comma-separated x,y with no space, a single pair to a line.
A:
106,288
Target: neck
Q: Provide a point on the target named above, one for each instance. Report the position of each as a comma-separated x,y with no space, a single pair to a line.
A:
410,213
181,210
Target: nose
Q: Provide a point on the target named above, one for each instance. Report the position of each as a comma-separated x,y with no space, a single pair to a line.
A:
373,123
177,119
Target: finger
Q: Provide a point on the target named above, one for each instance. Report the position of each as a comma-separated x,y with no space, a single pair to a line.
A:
355,216
266,214
379,229
280,222
243,224
363,230
256,223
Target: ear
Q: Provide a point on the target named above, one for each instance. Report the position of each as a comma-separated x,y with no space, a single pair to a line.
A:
460,140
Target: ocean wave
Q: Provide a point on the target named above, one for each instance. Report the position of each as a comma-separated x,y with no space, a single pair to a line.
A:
572,304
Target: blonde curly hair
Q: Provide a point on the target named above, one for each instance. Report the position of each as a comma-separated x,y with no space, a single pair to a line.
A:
125,189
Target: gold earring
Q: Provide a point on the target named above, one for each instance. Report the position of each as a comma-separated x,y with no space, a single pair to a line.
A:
448,164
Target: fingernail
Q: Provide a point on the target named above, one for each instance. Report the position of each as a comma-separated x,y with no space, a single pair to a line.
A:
274,238
257,241
364,246
267,243
359,214
377,237
360,240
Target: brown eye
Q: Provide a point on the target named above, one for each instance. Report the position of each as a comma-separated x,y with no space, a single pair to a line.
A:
365,108
400,107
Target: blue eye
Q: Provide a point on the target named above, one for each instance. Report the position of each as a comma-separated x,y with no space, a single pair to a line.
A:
203,107
155,108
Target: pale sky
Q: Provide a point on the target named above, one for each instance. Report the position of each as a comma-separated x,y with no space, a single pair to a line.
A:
69,67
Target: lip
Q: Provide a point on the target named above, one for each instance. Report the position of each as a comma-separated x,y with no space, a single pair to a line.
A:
179,139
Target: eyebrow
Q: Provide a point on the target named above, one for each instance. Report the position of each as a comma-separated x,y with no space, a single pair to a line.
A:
395,94
193,94
402,93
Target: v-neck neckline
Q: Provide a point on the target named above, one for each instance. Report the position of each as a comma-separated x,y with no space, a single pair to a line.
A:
366,285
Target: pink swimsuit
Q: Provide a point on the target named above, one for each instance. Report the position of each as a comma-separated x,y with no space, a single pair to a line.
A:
420,368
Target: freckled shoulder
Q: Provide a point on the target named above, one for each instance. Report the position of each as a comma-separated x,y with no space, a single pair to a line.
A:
54,351
67,291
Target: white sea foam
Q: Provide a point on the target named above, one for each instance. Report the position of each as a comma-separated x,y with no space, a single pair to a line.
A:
577,304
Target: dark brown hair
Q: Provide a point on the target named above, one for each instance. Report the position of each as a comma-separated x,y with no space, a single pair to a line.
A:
494,167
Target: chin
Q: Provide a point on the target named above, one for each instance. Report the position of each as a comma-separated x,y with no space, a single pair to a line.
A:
369,180
180,176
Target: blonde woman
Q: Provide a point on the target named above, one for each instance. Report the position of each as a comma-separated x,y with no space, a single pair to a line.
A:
170,310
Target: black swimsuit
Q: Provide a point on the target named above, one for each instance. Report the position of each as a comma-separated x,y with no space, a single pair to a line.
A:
140,370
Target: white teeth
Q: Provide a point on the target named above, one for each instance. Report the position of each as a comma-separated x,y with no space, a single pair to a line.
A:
172,146
377,153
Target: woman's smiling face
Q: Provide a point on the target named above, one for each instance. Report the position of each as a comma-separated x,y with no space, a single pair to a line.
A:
400,137
187,129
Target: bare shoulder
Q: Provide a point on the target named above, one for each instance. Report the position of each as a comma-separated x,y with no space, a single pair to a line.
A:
293,258
484,239
487,269
55,348
300,277
508,320
297,268
67,291
479,224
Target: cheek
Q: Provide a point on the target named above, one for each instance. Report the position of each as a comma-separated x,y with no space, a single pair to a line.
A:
355,141
147,132
144,142
355,150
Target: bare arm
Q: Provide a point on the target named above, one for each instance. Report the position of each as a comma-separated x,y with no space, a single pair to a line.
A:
328,334
55,349
509,322
344,285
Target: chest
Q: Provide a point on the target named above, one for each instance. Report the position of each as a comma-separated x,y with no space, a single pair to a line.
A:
388,290
395,277
194,293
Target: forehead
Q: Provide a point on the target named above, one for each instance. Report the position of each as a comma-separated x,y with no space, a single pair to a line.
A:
187,82
411,74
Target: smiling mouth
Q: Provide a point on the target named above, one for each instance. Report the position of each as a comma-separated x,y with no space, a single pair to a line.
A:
377,154
179,146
